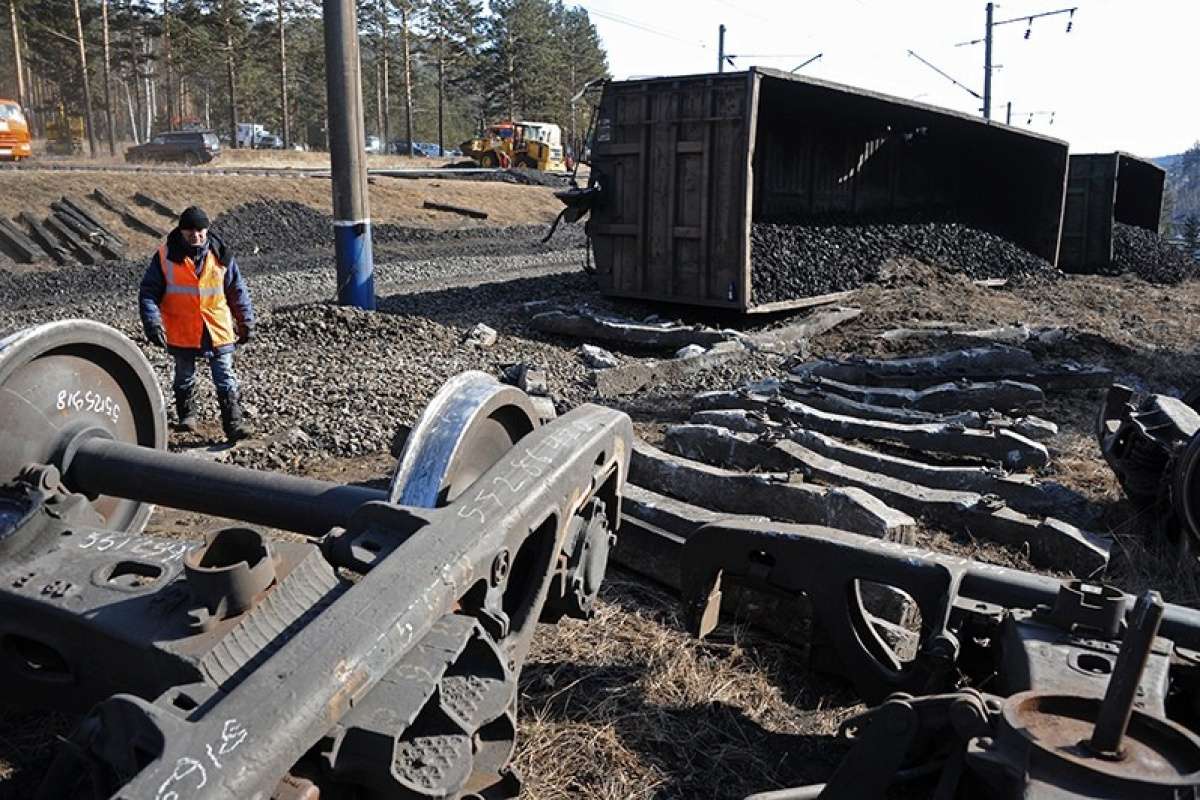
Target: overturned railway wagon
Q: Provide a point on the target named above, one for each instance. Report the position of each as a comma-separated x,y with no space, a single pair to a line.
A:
688,165
1103,190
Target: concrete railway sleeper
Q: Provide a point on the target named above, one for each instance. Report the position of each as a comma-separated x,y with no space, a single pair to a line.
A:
1050,542
987,364
245,667
1020,491
996,445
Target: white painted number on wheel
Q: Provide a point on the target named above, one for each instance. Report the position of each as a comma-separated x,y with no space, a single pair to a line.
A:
90,401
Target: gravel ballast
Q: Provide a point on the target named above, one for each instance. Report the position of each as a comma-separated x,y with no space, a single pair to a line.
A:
323,381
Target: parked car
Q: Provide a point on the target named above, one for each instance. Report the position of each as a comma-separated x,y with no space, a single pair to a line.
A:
400,148
188,147
374,145
268,141
15,141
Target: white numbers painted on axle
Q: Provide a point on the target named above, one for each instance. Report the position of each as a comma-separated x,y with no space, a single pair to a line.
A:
192,771
135,545
91,401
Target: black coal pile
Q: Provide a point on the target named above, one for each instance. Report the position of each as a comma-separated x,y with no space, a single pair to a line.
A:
794,261
272,226
1144,253
389,233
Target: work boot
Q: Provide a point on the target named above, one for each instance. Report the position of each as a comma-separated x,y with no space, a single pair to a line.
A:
232,422
185,411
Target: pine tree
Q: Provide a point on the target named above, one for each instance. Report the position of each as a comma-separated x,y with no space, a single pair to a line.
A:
221,61
586,61
1191,234
453,35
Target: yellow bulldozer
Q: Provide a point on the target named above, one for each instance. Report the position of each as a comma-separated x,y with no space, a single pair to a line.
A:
64,135
534,145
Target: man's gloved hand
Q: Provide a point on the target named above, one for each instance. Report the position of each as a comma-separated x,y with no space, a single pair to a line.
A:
245,333
157,335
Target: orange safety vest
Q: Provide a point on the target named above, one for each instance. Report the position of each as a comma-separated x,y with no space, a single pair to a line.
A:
192,302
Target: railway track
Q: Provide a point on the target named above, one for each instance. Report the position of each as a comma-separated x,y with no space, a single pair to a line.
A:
270,172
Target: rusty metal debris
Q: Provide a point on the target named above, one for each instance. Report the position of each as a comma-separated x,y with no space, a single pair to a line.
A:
245,667
1151,443
1029,687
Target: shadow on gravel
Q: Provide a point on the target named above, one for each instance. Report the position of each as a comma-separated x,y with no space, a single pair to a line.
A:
490,298
486,299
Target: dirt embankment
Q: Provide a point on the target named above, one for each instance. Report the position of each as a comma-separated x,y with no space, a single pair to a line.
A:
393,200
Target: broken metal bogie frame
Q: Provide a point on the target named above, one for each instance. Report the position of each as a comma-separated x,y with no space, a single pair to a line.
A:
1152,444
378,661
1052,657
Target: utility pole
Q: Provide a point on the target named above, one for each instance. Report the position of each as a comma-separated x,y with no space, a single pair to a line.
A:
721,49
347,138
987,65
989,25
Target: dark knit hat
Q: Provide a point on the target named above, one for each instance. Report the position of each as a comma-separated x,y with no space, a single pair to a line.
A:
193,218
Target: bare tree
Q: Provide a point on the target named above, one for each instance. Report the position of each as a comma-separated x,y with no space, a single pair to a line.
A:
87,89
148,89
405,19
166,48
108,107
16,40
230,68
283,93
132,117
386,100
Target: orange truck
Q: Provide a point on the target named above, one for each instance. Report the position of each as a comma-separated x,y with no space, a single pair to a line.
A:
15,141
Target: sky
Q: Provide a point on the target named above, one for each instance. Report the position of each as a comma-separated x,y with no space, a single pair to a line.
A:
1126,76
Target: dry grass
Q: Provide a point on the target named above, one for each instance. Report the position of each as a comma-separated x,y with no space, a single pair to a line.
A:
27,742
628,705
393,200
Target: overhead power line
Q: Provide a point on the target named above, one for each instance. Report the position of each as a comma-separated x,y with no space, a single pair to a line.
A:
724,58
806,63
947,76
632,23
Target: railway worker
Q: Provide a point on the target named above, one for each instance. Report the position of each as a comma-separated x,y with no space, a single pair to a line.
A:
194,303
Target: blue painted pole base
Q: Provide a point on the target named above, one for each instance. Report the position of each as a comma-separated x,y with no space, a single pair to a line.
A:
355,265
